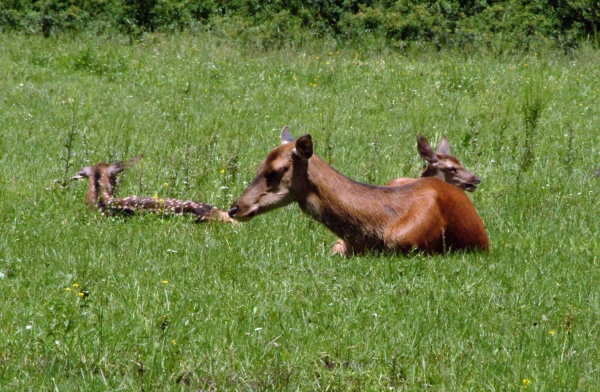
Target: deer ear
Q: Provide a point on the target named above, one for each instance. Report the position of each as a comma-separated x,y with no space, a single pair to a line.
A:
132,161
286,137
118,167
443,146
115,168
304,147
425,150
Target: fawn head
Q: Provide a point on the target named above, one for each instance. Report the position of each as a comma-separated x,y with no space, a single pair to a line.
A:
442,165
102,178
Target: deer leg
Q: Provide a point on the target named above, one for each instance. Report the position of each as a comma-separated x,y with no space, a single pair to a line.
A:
340,247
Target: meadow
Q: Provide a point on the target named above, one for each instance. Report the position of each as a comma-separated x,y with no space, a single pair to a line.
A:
91,302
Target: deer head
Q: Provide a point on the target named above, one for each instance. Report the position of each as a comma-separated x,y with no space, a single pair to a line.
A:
280,179
444,166
102,179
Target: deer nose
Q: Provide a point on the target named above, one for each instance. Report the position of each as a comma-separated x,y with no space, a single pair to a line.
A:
476,180
233,210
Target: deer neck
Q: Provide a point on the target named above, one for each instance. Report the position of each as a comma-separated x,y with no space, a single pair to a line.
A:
344,206
91,194
105,187
430,171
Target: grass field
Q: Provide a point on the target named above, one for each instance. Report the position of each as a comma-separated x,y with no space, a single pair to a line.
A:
144,303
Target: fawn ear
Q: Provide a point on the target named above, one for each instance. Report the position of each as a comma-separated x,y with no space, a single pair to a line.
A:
132,161
118,167
115,169
286,137
443,146
425,150
304,147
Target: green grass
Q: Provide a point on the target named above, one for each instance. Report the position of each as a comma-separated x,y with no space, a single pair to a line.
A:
171,305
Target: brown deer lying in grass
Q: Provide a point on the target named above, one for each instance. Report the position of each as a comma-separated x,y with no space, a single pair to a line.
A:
427,214
440,164
101,187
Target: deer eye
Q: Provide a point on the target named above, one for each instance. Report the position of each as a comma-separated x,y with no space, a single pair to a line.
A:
452,169
273,176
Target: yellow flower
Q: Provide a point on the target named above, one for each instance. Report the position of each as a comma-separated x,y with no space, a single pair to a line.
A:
174,342
222,171
165,185
526,382
552,332
68,289
75,285
81,294
165,281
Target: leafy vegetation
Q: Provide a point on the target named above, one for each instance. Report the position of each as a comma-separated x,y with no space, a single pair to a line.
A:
143,303
513,23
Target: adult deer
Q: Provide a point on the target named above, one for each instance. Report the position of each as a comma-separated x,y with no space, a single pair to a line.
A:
440,164
101,187
427,215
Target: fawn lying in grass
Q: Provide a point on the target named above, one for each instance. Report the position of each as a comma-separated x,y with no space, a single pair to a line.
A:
102,178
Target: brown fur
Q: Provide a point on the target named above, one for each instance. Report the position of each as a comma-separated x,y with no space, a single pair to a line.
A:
440,164
102,179
427,214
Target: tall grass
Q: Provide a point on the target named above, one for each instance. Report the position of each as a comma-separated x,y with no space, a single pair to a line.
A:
97,303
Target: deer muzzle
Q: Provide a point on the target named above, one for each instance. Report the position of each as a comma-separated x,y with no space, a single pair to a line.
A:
233,210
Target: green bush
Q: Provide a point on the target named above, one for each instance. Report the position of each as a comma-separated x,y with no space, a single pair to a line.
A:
441,22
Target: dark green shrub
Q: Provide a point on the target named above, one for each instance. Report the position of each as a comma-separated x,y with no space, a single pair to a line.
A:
441,22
